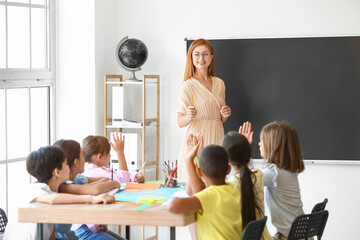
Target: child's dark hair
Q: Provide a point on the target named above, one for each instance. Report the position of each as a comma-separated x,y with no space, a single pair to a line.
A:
93,145
239,151
213,162
70,148
41,163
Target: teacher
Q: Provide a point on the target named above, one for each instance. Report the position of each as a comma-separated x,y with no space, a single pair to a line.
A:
201,103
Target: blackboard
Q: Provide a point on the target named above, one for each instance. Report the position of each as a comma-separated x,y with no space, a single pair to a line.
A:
312,83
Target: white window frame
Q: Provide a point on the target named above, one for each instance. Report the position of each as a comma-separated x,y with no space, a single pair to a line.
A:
28,78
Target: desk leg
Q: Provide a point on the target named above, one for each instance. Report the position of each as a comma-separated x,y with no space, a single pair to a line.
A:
40,234
172,233
127,232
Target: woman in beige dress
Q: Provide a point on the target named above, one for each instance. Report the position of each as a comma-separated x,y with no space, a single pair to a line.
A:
201,103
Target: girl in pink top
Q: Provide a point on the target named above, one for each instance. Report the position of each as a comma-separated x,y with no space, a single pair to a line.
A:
97,156
96,150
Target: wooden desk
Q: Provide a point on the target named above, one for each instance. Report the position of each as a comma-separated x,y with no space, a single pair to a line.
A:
118,214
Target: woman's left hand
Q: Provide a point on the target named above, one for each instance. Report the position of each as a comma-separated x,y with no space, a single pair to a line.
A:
225,111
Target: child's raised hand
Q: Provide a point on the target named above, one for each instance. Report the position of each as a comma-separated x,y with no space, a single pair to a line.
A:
103,198
119,142
200,139
245,130
140,178
192,147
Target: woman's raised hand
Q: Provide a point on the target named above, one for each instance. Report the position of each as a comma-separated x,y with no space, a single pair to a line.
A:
245,130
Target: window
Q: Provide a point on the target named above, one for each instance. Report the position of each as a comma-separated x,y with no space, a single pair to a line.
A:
26,90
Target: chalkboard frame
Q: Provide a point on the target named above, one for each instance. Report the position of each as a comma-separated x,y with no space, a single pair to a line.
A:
258,72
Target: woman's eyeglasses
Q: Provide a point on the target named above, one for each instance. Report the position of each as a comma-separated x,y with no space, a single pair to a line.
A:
198,54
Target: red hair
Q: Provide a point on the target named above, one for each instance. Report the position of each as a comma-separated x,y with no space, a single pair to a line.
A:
189,67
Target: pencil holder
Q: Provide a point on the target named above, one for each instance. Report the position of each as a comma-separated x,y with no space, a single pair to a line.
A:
172,183
170,174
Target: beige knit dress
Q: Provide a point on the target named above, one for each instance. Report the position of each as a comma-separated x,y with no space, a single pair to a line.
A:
208,118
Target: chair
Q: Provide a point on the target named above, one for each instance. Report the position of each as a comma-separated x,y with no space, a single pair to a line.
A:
254,229
3,222
319,206
308,225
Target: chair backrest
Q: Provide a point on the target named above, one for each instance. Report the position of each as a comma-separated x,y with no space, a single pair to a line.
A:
319,206
308,225
3,221
254,229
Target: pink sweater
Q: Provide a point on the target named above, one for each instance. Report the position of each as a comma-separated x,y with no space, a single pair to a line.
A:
92,170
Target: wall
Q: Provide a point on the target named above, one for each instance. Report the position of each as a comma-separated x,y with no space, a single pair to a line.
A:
163,25
75,63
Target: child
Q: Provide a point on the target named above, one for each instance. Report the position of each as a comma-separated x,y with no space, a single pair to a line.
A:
218,205
96,151
82,184
280,147
48,165
250,183
97,156
79,184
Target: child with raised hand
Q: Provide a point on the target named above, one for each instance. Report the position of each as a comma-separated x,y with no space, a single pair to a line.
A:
97,156
250,183
281,151
218,204
78,183
48,165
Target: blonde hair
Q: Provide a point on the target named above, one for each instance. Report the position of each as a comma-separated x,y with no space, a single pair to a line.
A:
189,67
282,146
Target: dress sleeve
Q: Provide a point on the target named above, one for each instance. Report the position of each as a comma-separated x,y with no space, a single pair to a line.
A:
183,100
270,175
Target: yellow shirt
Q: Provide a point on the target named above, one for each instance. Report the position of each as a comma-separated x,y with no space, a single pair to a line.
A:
220,217
258,181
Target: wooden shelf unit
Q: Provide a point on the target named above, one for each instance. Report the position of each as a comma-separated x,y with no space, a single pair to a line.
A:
108,121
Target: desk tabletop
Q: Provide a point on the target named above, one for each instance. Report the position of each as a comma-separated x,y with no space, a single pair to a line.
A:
118,214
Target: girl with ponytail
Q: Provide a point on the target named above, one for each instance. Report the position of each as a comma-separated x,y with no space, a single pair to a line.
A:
249,182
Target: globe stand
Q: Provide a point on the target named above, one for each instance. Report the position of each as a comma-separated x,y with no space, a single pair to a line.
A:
133,78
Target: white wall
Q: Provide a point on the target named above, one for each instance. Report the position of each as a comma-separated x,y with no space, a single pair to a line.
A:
75,79
163,25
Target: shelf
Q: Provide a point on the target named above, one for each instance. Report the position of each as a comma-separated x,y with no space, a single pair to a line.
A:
153,122
128,126
129,82
123,126
149,123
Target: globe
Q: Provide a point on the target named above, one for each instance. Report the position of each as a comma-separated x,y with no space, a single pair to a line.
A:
131,54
